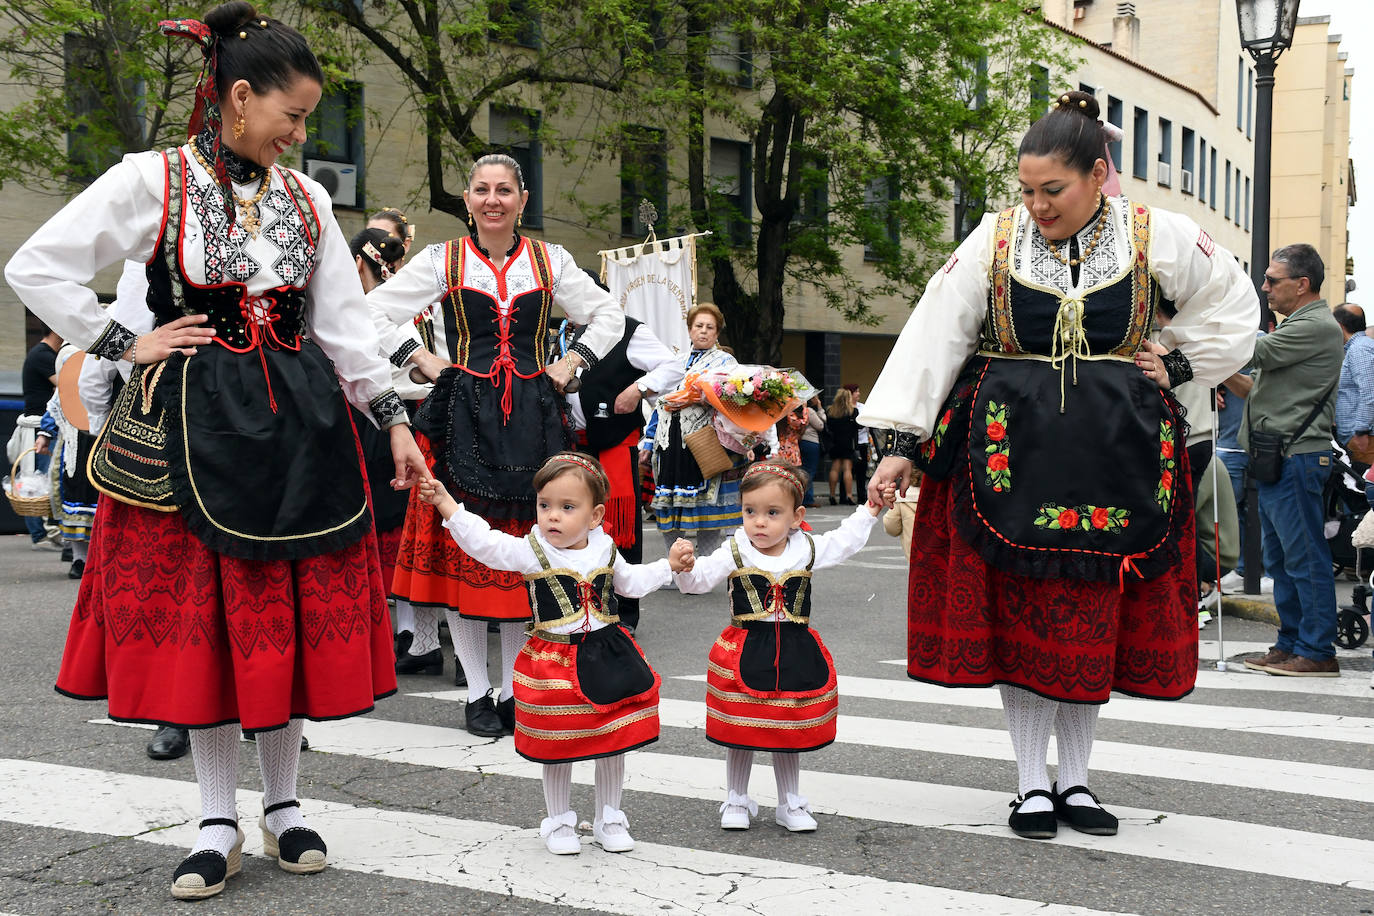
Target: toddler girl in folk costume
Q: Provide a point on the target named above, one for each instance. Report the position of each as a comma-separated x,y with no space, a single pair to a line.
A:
770,681
583,690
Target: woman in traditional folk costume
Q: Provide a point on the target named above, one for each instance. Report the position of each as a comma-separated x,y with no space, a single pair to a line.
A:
495,413
684,499
770,681
583,689
1053,543
237,586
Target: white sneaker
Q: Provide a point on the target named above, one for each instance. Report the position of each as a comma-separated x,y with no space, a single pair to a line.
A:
617,838
1232,582
1203,618
735,812
46,544
795,815
560,834
1266,585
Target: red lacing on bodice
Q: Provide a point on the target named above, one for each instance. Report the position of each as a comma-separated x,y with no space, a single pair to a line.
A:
503,372
260,317
588,600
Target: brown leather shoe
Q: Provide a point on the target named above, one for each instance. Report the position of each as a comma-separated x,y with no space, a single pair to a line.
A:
1272,657
1302,666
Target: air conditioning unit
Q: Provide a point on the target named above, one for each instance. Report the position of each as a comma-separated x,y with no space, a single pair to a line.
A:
1163,175
1185,182
340,179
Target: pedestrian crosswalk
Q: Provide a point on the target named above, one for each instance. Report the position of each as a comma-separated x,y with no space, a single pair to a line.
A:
1204,788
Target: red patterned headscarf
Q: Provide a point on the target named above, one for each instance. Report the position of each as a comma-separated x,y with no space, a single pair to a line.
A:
205,116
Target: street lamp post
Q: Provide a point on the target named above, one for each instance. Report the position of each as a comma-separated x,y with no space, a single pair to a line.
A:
1266,31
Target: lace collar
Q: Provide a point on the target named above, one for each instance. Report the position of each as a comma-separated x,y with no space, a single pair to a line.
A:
239,169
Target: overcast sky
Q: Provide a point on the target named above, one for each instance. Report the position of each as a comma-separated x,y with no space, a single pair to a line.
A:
1357,39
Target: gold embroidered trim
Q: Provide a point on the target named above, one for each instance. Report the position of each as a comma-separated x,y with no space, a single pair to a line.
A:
717,669
771,723
534,683
546,656
623,721
727,644
793,702
585,709
738,579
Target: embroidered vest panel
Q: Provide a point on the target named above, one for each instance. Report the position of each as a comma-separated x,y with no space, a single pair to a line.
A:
482,338
757,594
562,596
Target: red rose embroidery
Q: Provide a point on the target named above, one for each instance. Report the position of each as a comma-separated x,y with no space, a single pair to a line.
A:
997,462
949,416
1068,519
1166,449
1166,480
1100,517
997,432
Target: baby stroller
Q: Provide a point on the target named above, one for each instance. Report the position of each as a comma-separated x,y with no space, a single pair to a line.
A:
1345,505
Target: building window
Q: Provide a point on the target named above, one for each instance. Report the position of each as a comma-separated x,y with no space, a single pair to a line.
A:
334,150
814,206
1039,87
1202,195
1115,115
1188,162
1212,189
1140,151
643,176
515,132
732,56
730,187
514,22
1247,204
1226,212
1166,152
1235,214
1250,106
1240,93
878,196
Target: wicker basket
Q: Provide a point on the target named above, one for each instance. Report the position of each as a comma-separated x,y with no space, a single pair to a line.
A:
710,455
27,506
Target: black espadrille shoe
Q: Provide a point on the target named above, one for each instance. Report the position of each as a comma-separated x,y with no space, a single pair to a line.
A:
299,850
202,874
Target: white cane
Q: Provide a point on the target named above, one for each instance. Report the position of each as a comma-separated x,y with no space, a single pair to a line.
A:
1216,535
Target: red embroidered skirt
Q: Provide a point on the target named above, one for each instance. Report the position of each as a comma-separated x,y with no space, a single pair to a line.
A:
172,633
970,625
741,716
432,570
555,719
388,545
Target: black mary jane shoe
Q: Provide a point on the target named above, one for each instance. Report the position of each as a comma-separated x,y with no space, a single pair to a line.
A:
506,710
1083,818
431,663
482,718
202,874
299,850
1033,825
403,641
169,743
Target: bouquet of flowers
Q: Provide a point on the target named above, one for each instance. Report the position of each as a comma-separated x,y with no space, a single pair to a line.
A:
748,400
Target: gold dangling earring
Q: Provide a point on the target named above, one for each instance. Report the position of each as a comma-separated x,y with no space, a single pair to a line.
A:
470,222
518,218
239,127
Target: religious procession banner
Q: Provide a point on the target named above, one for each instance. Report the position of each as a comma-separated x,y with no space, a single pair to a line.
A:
655,282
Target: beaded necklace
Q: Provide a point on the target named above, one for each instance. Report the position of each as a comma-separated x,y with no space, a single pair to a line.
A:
248,209
1092,243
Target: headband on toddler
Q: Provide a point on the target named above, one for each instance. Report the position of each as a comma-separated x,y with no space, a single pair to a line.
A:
781,472
585,463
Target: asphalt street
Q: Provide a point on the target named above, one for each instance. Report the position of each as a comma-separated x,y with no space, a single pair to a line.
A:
1252,796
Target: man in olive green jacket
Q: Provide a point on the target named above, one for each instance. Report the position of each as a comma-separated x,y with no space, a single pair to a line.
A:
1296,371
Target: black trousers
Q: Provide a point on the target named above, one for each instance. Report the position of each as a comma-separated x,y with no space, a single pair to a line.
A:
629,607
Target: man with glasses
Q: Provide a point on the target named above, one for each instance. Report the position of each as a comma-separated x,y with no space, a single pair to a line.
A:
1292,396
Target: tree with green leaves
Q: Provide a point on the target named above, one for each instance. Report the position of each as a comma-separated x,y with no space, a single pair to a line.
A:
864,121
93,80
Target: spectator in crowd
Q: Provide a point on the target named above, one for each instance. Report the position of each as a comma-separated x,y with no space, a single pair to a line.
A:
842,420
1355,394
862,451
811,446
38,380
1292,396
1230,408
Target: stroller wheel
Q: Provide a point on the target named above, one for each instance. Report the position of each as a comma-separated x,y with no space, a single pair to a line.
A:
1351,628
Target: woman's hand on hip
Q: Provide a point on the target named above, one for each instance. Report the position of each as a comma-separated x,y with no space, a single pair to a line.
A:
1149,362
561,372
180,336
411,467
891,471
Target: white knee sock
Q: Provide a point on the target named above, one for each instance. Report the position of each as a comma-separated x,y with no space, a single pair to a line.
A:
403,616
738,763
1030,719
279,757
470,645
425,626
610,780
787,772
215,752
1074,727
513,637
79,549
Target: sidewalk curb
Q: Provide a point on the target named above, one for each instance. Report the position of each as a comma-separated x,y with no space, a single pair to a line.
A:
1249,608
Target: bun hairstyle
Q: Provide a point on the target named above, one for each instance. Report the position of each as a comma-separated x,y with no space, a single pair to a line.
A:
380,251
500,159
1070,131
266,52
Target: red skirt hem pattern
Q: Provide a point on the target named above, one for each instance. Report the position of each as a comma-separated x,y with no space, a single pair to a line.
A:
972,625
388,546
556,723
433,571
172,633
740,717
